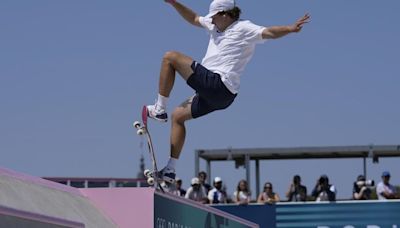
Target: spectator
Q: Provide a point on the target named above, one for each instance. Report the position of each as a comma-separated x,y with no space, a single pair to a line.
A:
361,189
217,195
179,190
324,191
384,189
268,195
296,192
196,192
203,177
242,195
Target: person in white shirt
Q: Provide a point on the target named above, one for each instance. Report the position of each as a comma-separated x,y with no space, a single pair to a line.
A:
196,192
242,195
384,189
216,79
217,195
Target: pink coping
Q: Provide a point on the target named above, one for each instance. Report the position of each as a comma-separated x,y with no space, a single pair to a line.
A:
126,207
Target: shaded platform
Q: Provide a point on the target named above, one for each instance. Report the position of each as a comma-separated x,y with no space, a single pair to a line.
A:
27,201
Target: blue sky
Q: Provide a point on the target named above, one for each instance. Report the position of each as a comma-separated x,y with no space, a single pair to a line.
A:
74,75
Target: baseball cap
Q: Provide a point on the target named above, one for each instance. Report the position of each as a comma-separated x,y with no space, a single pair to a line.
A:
386,174
217,179
361,178
195,180
217,6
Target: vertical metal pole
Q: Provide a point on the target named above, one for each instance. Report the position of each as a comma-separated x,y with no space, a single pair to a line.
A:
208,172
196,163
257,177
365,167
247,164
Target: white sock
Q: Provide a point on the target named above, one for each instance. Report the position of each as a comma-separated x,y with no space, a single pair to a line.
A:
162,101
172,163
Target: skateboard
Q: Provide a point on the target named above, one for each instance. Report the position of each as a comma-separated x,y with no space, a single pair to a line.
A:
143,130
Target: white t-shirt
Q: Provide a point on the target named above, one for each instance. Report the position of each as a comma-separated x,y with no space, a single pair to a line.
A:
381,187
196,195
215,196
229,52
243,197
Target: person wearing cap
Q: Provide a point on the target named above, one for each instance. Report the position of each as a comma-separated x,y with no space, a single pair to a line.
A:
196,192
217,195
216,79
384,189
362,189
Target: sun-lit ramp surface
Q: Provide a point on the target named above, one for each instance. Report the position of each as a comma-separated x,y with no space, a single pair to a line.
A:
27,201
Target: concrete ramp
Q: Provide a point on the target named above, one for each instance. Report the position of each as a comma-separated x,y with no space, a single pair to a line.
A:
27,201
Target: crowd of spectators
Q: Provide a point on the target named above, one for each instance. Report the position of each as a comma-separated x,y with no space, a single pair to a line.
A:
323,190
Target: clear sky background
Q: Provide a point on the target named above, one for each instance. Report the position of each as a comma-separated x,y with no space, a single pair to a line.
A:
75,74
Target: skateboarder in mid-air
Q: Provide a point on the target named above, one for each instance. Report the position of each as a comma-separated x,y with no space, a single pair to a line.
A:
216,79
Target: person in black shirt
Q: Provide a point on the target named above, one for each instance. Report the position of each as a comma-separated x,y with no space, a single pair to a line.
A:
297,191
324,191
361,191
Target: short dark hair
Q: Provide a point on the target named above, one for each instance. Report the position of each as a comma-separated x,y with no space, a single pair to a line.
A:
234,13
202,173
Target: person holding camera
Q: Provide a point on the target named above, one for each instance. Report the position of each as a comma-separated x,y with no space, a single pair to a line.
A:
323,191
297,192
362,188
384,189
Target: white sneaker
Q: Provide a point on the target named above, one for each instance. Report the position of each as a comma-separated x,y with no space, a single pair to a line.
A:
156,112
168,175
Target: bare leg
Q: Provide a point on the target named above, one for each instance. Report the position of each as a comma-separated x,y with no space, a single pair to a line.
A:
178,130
176,62
172,62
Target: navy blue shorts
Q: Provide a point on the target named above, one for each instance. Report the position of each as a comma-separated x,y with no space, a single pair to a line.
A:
211,92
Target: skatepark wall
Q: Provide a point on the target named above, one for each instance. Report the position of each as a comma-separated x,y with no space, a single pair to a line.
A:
346,214
145,207
27,201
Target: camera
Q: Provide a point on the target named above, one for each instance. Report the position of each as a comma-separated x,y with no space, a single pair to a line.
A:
366,183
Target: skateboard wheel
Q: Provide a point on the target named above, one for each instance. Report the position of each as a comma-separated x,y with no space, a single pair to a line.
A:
147,173
136,124
150,181
141,131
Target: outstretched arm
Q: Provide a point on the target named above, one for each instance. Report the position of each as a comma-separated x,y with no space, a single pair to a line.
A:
275,32
185,12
